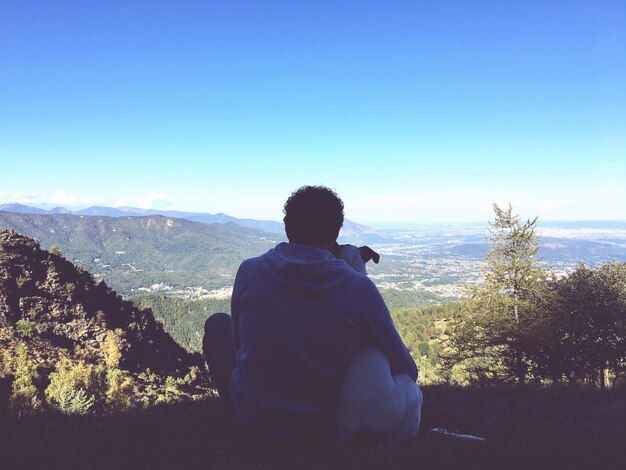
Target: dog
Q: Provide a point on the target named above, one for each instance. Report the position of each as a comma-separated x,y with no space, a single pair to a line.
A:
373,400
356,257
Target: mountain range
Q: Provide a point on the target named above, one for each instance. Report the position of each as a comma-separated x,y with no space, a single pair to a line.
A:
138,252
144,250
351,232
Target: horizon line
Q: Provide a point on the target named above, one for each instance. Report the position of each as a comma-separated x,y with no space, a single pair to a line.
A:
371,224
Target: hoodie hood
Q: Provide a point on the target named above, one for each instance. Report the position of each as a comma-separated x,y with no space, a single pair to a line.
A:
306,270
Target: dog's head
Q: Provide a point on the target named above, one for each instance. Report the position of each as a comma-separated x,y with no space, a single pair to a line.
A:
368,254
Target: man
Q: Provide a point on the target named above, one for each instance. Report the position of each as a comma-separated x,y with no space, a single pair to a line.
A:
303,321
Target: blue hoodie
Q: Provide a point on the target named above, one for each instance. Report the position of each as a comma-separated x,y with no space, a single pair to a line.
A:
299,315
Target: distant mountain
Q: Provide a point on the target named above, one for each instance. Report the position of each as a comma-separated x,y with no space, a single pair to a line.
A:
267,225
20,208
221,218
589,251
358,234
552,250
106,211
583,224
351,232
59,210
138,252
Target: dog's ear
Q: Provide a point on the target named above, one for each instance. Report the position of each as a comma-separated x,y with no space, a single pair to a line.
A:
368,254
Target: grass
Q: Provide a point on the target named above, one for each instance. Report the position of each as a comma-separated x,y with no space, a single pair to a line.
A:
525,427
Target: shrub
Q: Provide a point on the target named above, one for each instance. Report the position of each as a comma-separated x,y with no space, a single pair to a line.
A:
55,249
66,382
191,377
111,349
101,318
7,363
24,396
423,348
120,393
20,281
74,401
172,393
25,328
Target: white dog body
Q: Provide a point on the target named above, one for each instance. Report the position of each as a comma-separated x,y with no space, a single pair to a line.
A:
374,400
371,398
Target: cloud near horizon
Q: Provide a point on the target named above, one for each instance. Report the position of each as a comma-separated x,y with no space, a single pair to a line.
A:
459,204
63,198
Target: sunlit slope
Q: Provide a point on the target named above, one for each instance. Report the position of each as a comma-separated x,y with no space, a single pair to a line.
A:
135,252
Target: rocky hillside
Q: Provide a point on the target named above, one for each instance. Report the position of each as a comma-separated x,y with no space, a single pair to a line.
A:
59,311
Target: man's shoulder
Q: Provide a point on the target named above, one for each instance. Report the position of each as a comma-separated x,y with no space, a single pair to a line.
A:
360,285
251,263
255,264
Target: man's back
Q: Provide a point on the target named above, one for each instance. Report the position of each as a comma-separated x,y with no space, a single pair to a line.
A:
299,315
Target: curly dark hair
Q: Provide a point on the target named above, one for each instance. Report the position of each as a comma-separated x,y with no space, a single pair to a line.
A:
313,215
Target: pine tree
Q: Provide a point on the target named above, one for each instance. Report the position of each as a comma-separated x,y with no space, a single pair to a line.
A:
499,328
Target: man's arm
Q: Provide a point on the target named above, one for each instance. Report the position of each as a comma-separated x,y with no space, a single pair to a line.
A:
384,334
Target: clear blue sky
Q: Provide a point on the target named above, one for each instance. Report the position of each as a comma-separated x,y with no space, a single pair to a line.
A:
413,111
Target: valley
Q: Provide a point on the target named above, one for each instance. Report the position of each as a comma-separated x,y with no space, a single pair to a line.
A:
443,259
157,253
